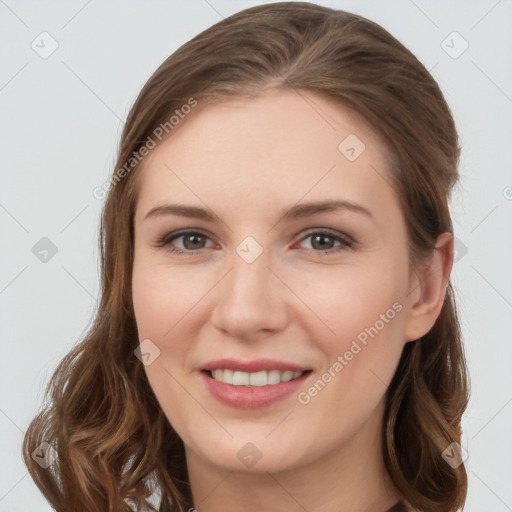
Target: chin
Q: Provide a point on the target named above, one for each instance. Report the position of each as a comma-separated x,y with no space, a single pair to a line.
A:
249,458
258,453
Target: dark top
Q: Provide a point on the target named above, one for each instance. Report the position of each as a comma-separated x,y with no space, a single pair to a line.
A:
399,507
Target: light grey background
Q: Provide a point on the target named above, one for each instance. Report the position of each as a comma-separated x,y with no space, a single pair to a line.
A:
61,118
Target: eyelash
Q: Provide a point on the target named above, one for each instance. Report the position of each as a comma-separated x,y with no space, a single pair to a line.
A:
347,243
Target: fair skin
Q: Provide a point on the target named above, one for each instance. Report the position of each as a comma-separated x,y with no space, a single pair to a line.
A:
246,160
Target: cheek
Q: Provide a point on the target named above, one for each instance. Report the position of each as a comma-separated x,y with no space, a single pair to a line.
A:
364,311
163,295
163,301
349,301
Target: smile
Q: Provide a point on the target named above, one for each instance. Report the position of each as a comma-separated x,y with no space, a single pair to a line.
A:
258,379
253,384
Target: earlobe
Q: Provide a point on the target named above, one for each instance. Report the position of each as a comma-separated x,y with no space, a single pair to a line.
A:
429,289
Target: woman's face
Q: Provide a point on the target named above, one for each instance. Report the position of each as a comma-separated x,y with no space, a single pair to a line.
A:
265,288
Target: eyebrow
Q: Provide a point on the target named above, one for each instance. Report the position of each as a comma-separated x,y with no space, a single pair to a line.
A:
295,212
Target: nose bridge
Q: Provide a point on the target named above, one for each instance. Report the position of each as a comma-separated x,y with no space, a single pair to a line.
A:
249,299
250,266
250,278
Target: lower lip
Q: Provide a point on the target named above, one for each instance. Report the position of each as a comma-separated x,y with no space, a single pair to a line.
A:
252,397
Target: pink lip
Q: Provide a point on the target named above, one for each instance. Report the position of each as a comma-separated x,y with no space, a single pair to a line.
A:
252,397
247,397
256,365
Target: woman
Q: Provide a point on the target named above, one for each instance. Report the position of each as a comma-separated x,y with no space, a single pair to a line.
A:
231,366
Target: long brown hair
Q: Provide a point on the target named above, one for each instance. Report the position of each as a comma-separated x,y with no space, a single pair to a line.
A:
114,445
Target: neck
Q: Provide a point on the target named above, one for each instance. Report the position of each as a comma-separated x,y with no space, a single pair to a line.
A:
352,478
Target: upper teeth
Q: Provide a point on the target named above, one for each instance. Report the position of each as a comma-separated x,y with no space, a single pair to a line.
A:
262,378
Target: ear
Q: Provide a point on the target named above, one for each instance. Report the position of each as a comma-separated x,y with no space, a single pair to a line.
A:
428,290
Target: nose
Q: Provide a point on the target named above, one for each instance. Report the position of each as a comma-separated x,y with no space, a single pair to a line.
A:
251,301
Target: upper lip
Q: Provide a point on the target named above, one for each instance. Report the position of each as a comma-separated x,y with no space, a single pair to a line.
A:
255,365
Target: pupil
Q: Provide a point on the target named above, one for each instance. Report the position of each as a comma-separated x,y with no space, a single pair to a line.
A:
321,237
191,238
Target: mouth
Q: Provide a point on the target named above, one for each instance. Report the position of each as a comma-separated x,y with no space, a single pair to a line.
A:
253,384
253,379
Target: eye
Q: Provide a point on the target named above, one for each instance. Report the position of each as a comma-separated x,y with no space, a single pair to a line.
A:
318,241
193,241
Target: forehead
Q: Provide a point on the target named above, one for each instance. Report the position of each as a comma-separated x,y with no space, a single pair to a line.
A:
271,150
